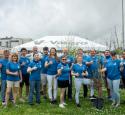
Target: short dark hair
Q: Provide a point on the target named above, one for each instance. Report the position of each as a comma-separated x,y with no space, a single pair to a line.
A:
23,49
45,48
113,53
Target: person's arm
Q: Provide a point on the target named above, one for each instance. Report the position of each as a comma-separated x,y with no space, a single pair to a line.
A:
20,74
103,70
47,63
29,69
12,73
0,65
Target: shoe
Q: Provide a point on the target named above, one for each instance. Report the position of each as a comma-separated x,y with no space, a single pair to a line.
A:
117,105
78,105
45,97
61,106
114,103
92,97
3,103
64,104
54,101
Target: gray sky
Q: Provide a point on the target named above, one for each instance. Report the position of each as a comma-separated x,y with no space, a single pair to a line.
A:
36,18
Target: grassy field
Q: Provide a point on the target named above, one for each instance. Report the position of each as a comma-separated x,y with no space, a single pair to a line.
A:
45,108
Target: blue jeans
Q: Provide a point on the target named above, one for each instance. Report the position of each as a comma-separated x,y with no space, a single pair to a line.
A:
34,85
3,90
114,88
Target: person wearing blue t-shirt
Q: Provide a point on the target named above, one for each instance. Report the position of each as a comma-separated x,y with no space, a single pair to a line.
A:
51,65
113,78
14,77
34,69
3,63
63,79
80,53
107,58
24,62
123,68
44,72
79,70
70,61
93,63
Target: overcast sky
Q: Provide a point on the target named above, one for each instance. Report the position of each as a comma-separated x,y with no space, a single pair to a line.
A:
37,18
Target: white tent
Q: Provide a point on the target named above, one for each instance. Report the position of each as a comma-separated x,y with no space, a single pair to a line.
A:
60,42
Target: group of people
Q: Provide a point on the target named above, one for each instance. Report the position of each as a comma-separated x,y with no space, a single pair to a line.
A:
48,71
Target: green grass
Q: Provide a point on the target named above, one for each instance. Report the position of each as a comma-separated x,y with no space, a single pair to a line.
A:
45,108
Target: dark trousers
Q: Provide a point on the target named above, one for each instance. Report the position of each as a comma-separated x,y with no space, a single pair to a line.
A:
85,90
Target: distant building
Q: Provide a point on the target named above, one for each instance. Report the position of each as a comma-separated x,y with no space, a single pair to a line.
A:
10,42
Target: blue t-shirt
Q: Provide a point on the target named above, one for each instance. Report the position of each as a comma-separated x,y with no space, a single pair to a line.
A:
24,67
65,71
96,62
123,65
35,74
79,69
52,69
13,67
106,60
113,69
43,69
3,62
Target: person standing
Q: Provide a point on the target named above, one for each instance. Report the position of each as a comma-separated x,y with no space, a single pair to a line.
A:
44,72
14,77
63,79
24,62
51,64
34,69
3,63
70,61
113,78
79,70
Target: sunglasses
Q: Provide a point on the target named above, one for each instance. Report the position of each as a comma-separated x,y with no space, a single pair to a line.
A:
64,59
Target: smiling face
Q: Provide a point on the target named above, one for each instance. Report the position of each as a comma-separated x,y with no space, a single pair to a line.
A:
52,52
14,57
107,53
64,59
36,57
93,52
79,59
6,54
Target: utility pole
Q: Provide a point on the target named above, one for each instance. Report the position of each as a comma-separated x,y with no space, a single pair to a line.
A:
123,24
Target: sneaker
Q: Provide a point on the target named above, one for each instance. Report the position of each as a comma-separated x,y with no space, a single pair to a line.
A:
3,103
109,98
78,105
117,105
114,103
61,106
64,103
54,101
92,97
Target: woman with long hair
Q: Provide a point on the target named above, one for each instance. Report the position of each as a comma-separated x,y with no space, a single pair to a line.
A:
51,65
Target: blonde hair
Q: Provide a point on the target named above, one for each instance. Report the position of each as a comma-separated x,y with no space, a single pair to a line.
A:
14,55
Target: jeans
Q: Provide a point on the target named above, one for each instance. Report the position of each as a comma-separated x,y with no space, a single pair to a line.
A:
50,79
34,85
114,88
3,90
78,83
